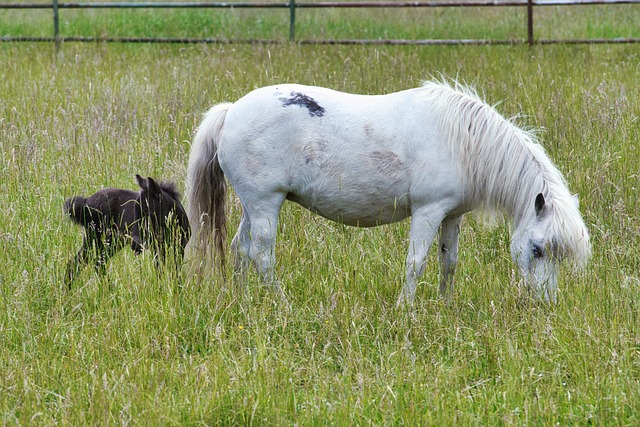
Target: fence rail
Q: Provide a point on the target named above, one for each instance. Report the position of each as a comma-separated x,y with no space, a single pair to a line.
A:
292,6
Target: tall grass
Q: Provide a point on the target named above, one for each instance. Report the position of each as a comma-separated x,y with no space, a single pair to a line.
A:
137,347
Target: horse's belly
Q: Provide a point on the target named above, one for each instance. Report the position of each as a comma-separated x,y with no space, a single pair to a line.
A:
359,210
362,188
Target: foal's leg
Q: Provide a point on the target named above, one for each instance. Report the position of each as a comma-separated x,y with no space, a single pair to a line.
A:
424,226
103,244
107,245
79,262
449,253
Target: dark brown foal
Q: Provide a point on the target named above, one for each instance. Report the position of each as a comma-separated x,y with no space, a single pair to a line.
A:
114,218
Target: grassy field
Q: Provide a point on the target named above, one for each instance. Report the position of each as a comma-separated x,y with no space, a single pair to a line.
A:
136,347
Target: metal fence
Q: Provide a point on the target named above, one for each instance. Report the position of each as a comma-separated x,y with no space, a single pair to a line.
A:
292,6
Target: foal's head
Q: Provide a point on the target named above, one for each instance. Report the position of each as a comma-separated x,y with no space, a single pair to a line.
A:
160,213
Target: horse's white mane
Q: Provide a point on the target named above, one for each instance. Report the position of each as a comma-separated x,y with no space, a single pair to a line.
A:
505,167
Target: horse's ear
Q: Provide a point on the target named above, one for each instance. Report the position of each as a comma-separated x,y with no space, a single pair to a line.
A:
540,205
142,182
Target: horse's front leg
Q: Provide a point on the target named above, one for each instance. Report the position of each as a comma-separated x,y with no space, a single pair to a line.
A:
448,253
424,226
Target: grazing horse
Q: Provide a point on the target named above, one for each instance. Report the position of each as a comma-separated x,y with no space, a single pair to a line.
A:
114,218
432,153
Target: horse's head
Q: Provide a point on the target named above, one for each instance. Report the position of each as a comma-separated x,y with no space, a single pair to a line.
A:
534,249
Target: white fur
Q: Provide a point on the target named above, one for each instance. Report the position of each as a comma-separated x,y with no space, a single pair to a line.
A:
432,153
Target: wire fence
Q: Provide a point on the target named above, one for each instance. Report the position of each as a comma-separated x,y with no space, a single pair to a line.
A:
292,6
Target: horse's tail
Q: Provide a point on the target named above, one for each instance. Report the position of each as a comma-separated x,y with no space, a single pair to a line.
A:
77,209
206,186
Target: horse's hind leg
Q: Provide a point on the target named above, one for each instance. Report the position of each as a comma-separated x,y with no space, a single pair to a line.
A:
241,244
448,253
263,226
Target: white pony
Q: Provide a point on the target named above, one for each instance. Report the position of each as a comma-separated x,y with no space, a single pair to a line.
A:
432,153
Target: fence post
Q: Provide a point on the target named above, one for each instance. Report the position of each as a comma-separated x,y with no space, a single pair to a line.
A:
530,22
292,20
56,25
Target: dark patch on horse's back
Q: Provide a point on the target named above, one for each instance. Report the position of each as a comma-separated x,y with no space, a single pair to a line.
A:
302,100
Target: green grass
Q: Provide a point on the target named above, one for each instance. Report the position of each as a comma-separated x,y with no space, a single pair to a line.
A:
491,23
137,348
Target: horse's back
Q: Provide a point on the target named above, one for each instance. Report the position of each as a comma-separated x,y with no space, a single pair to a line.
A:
351,158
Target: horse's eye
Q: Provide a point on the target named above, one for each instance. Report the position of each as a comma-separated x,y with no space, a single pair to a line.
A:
538,252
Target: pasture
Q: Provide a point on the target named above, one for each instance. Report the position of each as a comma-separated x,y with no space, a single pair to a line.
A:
137,347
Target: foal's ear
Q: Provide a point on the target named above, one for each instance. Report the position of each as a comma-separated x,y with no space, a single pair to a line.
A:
153,186
142,182
540,205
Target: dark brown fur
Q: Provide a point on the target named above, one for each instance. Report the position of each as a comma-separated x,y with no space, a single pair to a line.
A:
114,218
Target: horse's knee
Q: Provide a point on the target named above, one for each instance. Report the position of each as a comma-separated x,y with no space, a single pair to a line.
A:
415,267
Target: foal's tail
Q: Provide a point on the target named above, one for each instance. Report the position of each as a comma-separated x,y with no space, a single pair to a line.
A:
77,209
206,185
